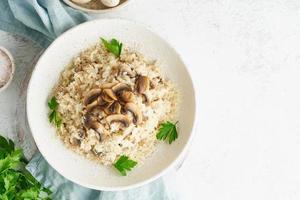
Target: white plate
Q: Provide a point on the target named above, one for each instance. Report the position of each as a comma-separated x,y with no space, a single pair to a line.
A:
46,74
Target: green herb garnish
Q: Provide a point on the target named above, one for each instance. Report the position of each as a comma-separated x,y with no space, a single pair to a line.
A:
124,164
167,131
114,46
53,103
54,116
16,182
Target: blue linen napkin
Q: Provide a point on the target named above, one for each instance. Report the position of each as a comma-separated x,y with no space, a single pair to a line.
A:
42,21
71,191
39,20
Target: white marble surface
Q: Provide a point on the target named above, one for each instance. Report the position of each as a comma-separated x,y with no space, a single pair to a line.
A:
244,56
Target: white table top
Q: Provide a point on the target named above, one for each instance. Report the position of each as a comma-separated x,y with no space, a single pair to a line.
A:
245,60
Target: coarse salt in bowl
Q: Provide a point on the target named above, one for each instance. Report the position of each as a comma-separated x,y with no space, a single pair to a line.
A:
7,68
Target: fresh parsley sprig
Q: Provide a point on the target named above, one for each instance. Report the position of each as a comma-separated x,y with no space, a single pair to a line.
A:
124,164
15,181
167,131
54,116
114,46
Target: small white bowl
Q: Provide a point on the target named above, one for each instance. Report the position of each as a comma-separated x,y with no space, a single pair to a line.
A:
46,74
12,66
96,11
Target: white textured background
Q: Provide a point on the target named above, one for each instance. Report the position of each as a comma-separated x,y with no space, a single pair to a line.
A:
244,56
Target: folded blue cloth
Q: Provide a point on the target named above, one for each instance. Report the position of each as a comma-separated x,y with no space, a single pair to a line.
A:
42,21
66,190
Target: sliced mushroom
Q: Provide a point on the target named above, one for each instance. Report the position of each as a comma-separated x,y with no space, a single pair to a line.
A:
99,128
91,96
98,102
75,141
126,96
116,108
101,101
113,108
91,123
77,138
108,85
135,110
146,99
120,87
108,95
81,134
142,84
118,118
88,120
91,106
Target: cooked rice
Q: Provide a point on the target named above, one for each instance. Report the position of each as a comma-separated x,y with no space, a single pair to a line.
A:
91,69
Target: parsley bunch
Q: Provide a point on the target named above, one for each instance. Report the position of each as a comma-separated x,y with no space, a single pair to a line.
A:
114,46
54,116
16,183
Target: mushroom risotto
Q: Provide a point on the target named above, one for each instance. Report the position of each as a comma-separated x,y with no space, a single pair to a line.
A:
111,105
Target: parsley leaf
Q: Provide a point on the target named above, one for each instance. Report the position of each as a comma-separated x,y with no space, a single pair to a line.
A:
114,46
11,161
6,146
31,193
52,104
167,131
54,116
15,181
124,164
